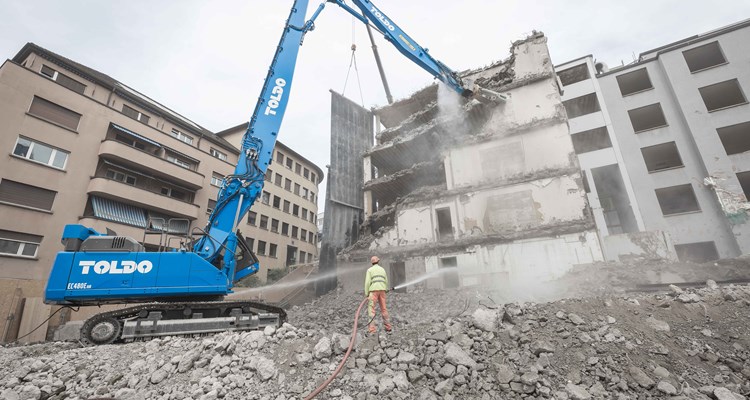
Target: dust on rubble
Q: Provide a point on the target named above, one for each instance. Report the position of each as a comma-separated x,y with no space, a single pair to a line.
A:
448,344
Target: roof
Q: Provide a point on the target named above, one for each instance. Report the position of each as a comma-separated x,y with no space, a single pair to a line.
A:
279,143
121,89
692,39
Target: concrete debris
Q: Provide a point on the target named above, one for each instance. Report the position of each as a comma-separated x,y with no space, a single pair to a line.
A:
437,352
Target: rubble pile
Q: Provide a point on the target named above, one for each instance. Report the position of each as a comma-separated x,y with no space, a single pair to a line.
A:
684,344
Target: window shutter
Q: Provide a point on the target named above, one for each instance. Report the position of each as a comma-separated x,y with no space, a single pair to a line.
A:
70,83
21,237
26,195
55,113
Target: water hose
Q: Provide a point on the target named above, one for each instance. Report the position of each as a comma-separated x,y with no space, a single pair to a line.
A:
346,356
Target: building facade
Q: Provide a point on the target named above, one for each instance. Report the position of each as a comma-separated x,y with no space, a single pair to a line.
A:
83,148
284,220
664,142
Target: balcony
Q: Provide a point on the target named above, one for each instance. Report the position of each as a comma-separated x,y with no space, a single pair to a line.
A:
126,155
108,188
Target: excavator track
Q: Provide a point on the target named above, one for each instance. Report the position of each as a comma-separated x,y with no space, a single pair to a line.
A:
173,319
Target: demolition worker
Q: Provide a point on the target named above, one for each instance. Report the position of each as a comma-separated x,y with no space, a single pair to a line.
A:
376,284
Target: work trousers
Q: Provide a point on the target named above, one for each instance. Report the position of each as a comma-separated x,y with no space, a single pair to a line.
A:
378,296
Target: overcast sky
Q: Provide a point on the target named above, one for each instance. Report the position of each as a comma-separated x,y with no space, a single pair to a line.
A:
207,59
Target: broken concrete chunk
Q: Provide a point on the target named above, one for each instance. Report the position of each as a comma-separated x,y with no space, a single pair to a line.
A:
657,325
485,319
641,378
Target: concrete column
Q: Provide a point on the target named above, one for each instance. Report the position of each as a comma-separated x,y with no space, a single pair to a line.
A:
367,169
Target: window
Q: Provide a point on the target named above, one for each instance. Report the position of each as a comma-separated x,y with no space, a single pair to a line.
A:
735,138
19,244
175,193
677,199
63,80
582,105
313,177
217,154
26,195
185,138
704,57
305,193
285,229
310,237
302,256
266,198
279,157
288,184
296,188
181,161
261,247
697,252
264,222
269,174
744,178
722,95
135,114
276,201
217,179
250,242
298,169
272,249
634,82
646,118
306,173
303,234
591,140
277,179
295,230
450,279
289,163
662,156
40,153
295,210
573,75
54,113
130,141
286,206
444,222
252,216
210,207
274,225
120,177
304,214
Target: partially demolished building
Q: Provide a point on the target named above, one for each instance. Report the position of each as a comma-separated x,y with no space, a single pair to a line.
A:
493,189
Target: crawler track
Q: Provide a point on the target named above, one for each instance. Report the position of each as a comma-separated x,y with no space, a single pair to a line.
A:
189,318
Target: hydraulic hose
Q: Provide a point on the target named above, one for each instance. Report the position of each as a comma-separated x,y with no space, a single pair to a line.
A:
346,356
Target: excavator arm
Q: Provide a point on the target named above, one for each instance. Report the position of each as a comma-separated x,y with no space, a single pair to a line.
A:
241,189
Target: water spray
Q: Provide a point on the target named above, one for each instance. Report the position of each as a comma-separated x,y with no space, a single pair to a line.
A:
297,283
424,277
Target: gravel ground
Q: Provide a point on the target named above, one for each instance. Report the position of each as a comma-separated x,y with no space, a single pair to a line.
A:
447,344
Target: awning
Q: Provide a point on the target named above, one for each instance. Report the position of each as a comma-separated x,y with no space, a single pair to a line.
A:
118,212
135,135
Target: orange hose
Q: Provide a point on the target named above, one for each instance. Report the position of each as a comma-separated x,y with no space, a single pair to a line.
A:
343,361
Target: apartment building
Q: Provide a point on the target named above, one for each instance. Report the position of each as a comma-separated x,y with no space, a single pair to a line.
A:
663,141
84,148
284,219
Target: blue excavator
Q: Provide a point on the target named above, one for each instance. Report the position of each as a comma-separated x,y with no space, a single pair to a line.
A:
181,292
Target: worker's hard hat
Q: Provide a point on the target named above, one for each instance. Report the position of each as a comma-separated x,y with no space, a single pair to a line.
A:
374,260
